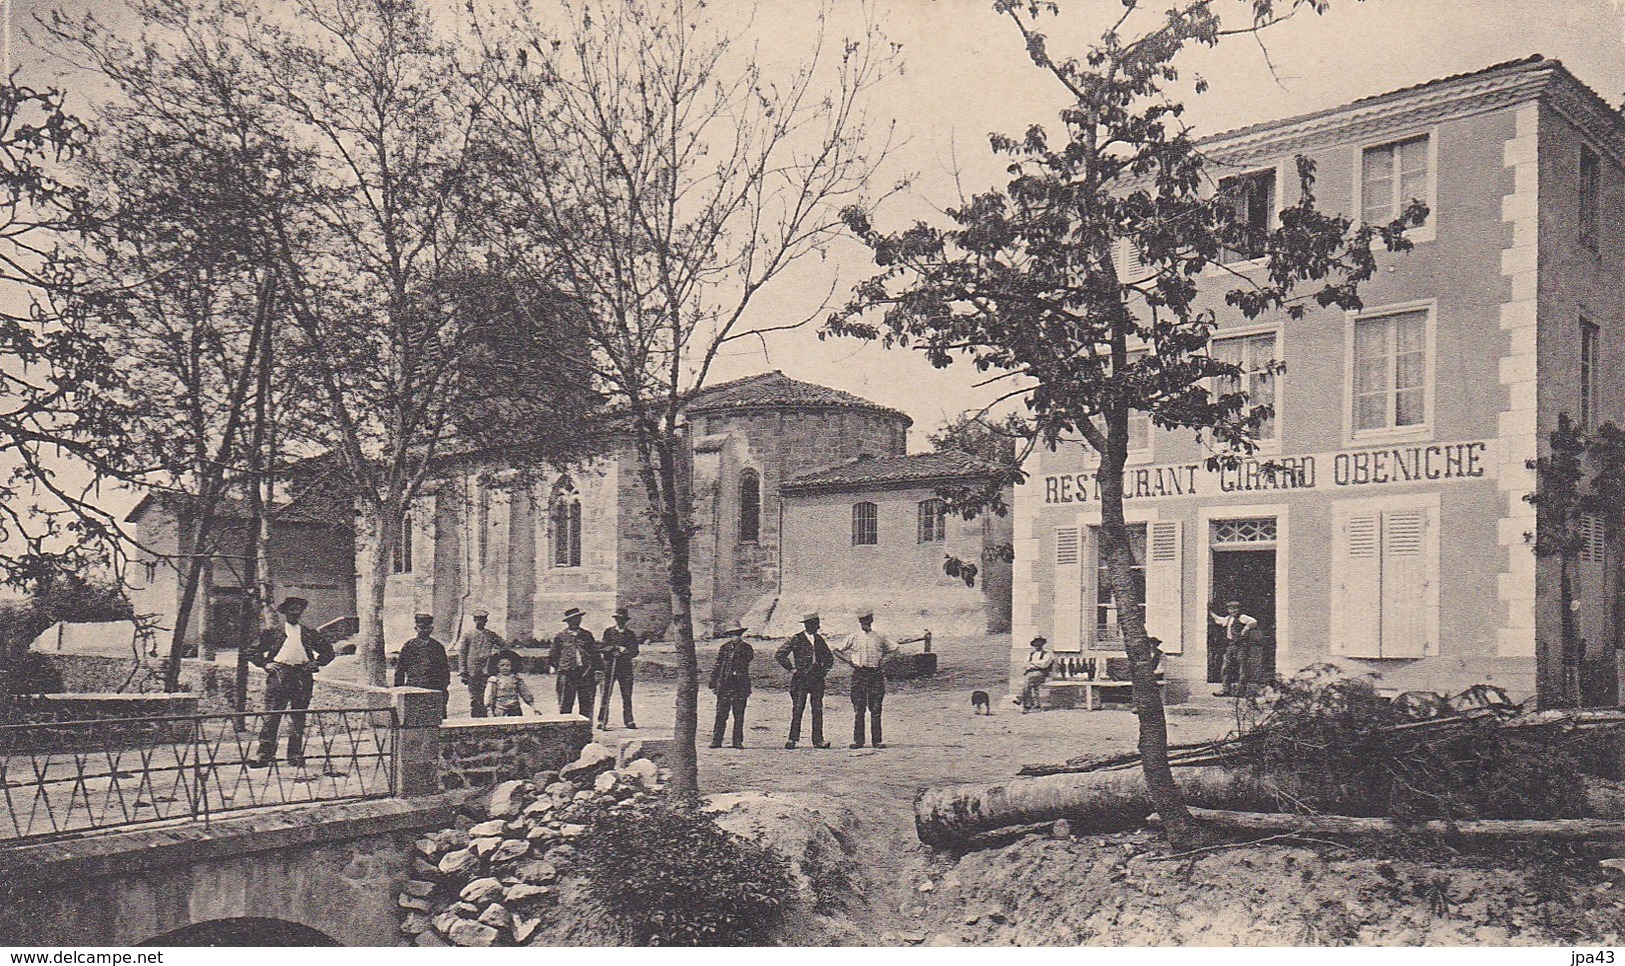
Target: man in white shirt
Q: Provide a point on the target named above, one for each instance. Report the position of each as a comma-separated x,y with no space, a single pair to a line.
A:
866,650
290,656
1240,663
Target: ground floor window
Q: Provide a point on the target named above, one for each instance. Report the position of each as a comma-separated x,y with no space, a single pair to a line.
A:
1385,579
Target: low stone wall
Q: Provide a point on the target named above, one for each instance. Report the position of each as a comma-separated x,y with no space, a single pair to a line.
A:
477,752
211,683
214,685
95,674
104,707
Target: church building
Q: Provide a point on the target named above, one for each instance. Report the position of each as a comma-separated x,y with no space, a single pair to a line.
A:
525,544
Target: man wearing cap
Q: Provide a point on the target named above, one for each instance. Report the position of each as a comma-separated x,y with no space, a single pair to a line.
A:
290,655
422,662
808,659
619,646
730,682
475,655
576,662
866,650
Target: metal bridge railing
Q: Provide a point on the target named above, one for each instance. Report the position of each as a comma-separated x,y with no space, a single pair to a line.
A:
60,777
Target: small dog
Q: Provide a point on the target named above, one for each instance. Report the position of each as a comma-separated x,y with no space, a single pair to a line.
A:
980,703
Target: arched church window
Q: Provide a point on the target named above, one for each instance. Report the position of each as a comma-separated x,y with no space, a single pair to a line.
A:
750,506
565,514
865,525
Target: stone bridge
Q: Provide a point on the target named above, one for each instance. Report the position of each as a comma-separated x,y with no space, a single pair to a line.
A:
312,875
309,874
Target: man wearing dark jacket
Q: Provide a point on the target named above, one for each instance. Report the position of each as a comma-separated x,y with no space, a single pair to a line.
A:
730,682
422,662
808,659
618,647
576,662
290,655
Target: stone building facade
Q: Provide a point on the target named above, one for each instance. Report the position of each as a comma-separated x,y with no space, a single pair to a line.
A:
1396,536
526,544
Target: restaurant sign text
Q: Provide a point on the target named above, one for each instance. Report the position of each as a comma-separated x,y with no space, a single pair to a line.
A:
1418,463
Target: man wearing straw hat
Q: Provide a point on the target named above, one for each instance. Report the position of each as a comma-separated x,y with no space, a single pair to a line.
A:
866,650
576,662
290,656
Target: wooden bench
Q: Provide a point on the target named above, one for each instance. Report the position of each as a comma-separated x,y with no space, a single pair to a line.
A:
1063,692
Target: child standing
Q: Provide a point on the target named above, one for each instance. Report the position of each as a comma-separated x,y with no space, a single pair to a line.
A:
506,694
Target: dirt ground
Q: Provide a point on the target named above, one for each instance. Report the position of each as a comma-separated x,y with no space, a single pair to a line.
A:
1119,889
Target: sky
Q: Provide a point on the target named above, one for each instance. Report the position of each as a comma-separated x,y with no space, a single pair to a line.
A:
965,74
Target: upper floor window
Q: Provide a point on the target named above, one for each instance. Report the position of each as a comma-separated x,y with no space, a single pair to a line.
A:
1139,421
1590,212
1390,372
1589,336
400,548
565,518
1252,198
1391,176
1252,354
750,506
933,521
865,525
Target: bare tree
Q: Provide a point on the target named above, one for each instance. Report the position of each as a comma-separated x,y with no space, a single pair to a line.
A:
659,177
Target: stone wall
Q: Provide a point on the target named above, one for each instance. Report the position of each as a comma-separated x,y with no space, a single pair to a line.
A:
334,868
479,752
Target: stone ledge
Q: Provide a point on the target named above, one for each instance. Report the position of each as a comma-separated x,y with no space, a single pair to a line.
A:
464,726
101,855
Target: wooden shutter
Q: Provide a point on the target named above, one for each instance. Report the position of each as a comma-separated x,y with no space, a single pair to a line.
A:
1065,632
1405,582
1357,583
1164,586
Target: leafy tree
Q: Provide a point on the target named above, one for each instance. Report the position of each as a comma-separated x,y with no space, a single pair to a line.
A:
1024,282
352,124
1580,481
178,173
659,178
62,423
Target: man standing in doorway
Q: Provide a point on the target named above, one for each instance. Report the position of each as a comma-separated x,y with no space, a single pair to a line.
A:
730,682
422,662
475,654
620,647
808,659
1240,664
576,661
290,656
866,650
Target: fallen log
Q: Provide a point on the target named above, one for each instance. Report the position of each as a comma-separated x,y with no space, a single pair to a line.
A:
1347,826
954,814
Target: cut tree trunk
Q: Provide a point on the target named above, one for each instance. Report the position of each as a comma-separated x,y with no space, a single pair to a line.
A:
955,814
1344,826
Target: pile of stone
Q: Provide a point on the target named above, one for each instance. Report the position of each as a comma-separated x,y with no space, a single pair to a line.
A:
494,882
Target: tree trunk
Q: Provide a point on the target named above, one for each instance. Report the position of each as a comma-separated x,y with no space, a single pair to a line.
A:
375,556
663,477
1153,744
954,814
1480,830
190,546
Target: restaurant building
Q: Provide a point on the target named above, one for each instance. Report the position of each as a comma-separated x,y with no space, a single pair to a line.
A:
1384,523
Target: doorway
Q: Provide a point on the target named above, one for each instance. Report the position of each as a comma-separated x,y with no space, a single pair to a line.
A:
1247,575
